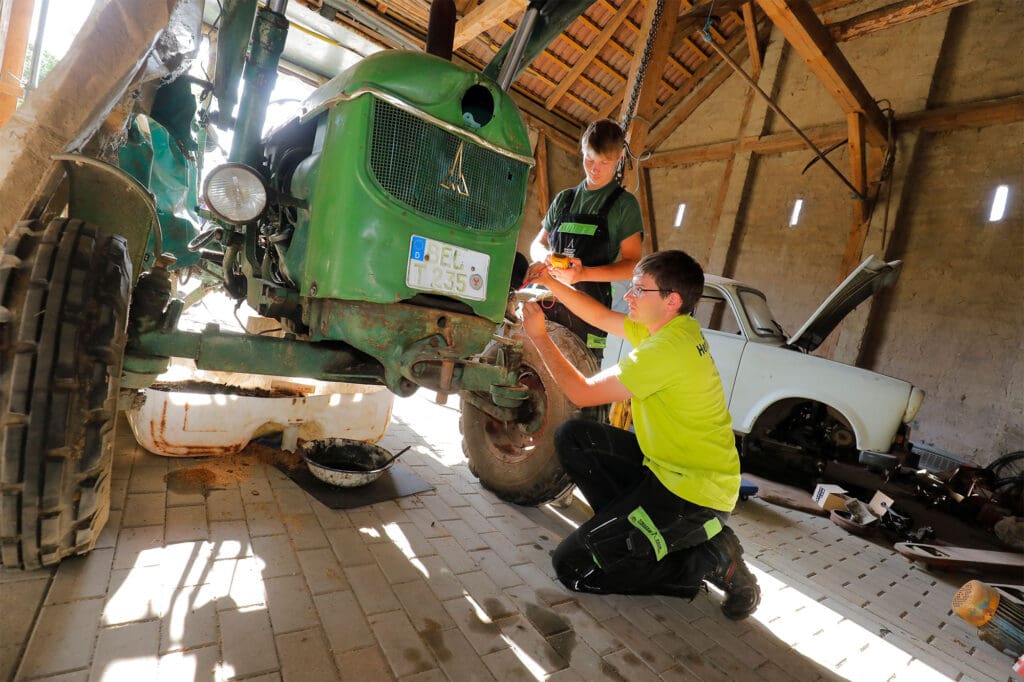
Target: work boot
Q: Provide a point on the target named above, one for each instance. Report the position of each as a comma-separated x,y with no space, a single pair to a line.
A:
742,595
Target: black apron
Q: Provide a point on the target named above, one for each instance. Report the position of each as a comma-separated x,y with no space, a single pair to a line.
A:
585,236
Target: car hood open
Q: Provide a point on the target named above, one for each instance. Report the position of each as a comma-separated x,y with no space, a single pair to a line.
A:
870,277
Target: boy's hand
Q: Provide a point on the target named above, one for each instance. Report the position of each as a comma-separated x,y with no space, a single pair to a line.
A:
534,323
537,273
569,275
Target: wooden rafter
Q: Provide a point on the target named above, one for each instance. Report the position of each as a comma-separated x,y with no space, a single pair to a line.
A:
970,115
703,90
889,16
811,40
753,48
595,47
666,118
483,16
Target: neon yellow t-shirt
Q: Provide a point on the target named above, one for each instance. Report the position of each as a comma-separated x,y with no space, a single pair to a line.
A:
679,412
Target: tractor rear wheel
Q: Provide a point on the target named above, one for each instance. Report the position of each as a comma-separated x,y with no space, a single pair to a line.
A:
64,291
517,461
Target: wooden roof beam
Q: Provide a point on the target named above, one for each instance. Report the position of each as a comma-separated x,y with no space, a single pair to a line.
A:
978,114
677,109
753,47
484,16
595,47
889,16
809,37
647,99
703,71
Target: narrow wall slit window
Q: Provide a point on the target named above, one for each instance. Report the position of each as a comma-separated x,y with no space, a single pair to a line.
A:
679,215
794,217
998,210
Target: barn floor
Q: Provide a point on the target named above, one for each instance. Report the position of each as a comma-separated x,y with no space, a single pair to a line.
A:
256,580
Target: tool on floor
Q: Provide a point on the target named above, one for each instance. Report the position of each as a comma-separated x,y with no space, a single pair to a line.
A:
997,615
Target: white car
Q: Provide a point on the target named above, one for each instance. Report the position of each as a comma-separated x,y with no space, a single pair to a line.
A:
797,411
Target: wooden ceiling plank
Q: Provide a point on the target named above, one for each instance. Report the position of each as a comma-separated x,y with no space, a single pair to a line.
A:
889,16
701,54
484,16
811,40
753,48
602,64
595,47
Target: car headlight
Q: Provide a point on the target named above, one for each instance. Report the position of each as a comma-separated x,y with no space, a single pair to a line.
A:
235,193
913,404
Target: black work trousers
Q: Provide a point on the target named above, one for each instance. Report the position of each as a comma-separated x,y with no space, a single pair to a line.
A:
610,553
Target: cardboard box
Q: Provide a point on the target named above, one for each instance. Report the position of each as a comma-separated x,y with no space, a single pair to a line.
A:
829,496
880,503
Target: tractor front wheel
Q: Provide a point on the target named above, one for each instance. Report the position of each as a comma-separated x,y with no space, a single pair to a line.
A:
64,291
517,460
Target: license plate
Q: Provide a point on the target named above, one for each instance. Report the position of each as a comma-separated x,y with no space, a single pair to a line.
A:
446,269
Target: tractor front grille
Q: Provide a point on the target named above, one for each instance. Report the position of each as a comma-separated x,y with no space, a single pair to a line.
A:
418,164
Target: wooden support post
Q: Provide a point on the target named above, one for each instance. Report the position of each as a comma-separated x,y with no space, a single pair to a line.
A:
811,40
543,188
750,25
859,222
647,212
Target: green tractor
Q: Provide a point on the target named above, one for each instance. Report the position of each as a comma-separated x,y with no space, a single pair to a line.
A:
378,227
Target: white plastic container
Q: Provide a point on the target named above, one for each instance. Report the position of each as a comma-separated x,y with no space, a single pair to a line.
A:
186,424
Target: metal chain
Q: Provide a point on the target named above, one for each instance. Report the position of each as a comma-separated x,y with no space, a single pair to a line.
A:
627,116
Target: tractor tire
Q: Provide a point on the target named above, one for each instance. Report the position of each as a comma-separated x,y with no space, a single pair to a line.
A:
518,462
64,292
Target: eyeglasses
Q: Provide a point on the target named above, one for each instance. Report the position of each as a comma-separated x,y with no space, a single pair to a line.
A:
639,291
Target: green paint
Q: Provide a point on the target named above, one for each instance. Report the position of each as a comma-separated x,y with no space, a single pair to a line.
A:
375,184
712,527
578,228
639,518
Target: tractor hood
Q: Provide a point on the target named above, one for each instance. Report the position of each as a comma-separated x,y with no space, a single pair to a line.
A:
870,277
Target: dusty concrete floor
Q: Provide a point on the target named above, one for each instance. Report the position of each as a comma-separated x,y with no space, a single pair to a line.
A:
257,580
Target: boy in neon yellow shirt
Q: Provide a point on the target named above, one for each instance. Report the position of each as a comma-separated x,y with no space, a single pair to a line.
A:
660,497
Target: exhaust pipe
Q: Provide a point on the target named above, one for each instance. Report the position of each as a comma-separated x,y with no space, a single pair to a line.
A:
510,66
441,29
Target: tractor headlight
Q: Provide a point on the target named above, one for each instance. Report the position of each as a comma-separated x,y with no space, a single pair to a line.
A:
235,193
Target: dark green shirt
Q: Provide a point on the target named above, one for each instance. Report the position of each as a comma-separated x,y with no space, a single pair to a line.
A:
624,219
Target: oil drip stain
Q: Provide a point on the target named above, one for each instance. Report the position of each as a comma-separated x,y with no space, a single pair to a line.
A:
563,643
494,608
610,672
192,480
547,622
631,659
435,640
416,658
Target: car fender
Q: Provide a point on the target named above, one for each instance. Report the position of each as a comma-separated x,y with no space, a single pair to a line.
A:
873,404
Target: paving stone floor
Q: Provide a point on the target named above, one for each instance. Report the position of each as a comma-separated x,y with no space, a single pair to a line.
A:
256,580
